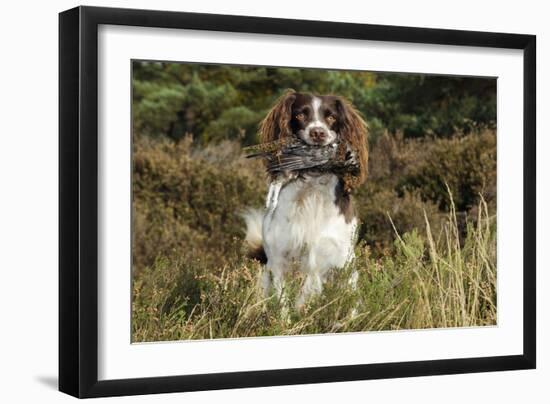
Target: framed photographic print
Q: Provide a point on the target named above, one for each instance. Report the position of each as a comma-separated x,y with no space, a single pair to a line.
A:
252,201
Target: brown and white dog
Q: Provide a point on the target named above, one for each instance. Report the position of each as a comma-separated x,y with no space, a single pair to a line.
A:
309,217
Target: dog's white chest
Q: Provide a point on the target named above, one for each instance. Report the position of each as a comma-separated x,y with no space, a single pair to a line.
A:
305,224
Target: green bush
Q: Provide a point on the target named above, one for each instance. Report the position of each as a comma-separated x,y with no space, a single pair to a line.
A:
467,165
376,205
183,202
215,102
235,123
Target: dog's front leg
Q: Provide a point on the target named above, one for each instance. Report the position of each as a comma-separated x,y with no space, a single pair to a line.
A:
313,285
273,195
273,283
266,282
275,189
272,278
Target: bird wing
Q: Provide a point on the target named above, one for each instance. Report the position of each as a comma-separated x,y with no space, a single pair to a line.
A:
295,155
300,157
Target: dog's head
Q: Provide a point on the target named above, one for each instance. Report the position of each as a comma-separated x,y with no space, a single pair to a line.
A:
317,120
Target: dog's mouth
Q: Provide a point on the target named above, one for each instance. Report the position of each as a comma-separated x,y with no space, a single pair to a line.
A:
317,140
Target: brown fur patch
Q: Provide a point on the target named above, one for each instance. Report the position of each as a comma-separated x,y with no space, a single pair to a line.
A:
302,194
354,132
257,254
343,202
276,125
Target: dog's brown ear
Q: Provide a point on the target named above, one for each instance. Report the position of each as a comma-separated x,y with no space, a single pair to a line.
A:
354,132
276,125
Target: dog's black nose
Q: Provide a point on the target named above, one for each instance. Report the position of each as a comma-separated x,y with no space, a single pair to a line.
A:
318,134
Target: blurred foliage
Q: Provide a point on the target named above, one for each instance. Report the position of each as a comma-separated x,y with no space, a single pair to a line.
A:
221,102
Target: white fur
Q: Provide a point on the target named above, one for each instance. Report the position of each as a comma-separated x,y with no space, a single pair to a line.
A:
303,225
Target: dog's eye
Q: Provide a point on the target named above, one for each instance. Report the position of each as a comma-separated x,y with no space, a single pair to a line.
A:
331,119
300,116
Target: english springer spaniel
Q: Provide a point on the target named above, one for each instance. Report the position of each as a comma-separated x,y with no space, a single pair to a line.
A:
309,217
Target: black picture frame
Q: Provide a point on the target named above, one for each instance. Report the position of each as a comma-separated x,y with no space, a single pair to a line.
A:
78,201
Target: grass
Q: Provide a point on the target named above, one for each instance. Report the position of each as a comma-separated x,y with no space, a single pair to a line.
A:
428,279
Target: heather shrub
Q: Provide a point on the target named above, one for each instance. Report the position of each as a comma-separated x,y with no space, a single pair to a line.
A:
376,205
429,280
188,197
467,165
184,203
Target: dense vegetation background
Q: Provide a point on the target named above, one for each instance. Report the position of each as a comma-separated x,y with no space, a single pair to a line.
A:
427,253
217,103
